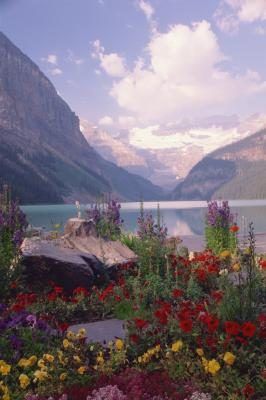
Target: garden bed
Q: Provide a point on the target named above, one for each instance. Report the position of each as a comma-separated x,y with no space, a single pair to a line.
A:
191,332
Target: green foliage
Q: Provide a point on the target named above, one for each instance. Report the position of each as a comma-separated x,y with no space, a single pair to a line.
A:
244,291
12,225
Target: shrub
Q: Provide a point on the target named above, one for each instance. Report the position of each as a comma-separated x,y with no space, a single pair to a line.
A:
107,218
12,228
220,230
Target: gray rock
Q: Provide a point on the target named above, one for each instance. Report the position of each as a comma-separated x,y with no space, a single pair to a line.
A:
45,261
102,331
76,227
80,235
79,258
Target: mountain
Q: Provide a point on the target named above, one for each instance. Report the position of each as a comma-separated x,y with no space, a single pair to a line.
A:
163,167
165,154
236,171
43,154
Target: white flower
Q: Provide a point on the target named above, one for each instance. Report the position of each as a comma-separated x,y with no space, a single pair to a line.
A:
223,272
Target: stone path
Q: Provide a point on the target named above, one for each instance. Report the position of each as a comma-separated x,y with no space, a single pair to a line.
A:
196,243
102,331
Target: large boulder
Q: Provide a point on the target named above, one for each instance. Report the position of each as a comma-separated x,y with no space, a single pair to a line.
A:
79,258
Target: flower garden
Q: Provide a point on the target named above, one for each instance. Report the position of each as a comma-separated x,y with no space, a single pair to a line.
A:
195,323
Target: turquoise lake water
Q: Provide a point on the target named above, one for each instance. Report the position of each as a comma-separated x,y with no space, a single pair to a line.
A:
181,217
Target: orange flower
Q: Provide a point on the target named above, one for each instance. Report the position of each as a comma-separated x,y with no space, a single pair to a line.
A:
234,228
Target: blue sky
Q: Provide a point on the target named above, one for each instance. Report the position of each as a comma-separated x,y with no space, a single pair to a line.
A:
142,63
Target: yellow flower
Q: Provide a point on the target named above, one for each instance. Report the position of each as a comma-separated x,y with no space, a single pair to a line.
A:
71,335
229,358
24,381
99,358
177,346
32,360
119,344
23,362
41,363
4,368
81,370
200,352
5,391
225,254
40,375
77,359
66,343
213,367
236,267
63,376
81,333
48,357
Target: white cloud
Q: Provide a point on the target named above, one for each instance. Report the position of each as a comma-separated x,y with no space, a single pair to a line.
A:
73,59
126,121
106,121
51,59
113,64
184,75
232,12
208,135
56,71
146,8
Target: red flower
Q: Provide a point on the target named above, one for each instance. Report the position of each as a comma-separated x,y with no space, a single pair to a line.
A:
263,264
80,291
134,338
213,269
58,289
63,327
52,296
248,391
141,323
241,340
248,329
217,295
162,316
234,228
211,322
177,293
201,274
186,325
232,328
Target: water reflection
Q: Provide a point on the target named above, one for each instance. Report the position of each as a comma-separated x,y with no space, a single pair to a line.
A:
181,222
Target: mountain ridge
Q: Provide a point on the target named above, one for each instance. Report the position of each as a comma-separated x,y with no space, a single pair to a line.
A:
235,171
42,145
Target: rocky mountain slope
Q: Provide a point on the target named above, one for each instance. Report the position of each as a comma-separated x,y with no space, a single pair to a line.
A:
43,154
163,167
236,171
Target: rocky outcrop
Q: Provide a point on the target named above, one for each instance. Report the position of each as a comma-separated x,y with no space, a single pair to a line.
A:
42,147
45,261
79,258
81,235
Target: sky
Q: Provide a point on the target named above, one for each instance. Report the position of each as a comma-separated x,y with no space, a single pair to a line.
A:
149,66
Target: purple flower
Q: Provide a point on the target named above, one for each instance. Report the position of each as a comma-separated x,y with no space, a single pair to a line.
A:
32,320
219,214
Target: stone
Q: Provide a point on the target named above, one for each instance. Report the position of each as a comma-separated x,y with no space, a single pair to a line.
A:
45,261
79,258
81,235
76,227
102,331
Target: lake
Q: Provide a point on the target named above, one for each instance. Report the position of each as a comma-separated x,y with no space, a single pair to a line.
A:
183,218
